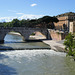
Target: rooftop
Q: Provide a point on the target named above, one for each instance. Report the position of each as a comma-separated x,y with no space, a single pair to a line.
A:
66,14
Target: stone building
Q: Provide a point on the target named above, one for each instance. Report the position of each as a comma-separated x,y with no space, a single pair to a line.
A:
72,27
64,22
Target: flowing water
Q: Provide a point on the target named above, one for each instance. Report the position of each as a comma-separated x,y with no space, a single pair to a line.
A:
16,42
35,62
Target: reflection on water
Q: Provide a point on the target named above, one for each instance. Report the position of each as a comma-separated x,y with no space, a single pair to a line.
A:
6,69
34,62
13,38
16,42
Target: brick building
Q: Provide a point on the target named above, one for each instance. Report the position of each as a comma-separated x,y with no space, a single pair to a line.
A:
66,22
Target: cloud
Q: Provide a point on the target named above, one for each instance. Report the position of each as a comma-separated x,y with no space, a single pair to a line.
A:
6,19
32,5
20,13
15,12
12,11
24,16
30,16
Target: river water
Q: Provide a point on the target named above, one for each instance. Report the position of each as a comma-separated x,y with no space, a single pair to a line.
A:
35,62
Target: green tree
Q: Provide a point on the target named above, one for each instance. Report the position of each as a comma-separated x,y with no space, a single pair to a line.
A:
47,21
15,23
70,44
33,23
44,22
1,24
23,23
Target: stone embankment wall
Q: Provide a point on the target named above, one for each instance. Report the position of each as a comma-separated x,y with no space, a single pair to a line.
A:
57,35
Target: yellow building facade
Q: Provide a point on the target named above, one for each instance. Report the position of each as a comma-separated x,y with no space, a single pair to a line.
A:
66,20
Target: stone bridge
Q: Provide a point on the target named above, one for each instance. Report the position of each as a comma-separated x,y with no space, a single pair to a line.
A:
25,32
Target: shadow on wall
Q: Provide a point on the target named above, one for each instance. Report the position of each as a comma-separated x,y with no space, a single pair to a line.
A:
49,35
5,69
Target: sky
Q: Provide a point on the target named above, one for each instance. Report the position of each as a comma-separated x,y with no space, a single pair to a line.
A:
31,9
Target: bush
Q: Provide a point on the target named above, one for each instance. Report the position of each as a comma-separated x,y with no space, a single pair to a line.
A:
70,44
33,34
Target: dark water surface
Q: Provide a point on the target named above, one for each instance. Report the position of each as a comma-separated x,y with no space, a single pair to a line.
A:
16,42
35,62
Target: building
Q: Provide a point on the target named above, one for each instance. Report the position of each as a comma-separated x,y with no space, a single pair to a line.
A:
72,27
66,22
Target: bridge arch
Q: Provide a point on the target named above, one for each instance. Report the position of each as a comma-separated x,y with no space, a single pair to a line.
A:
25,32
37,35
16,37
5,31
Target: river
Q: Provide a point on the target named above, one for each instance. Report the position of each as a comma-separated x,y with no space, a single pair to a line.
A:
34,62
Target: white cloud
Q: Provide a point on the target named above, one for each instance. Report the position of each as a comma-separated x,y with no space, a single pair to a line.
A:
20,13
24,16
30,16
12,11
32,5
6,19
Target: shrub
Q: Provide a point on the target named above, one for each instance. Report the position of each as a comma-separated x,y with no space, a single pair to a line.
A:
33,34
70,44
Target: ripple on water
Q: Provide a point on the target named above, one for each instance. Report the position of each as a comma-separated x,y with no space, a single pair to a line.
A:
37,62
30,53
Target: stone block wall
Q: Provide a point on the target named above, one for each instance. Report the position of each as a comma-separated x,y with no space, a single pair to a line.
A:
72,27
57,35
62,20
25,32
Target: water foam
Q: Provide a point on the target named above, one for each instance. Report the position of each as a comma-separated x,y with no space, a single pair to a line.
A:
31,53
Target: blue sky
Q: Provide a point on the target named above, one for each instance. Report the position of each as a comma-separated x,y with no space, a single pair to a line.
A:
23,9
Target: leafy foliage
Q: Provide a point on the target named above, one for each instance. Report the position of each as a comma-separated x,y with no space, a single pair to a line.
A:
70,44
43,22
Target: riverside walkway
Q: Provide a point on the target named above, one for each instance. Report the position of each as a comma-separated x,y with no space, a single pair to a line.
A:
55,45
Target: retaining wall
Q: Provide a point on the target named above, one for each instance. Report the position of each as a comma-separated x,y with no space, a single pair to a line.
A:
57,35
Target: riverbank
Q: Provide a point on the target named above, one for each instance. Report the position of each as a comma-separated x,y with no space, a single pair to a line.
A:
14,33
55,45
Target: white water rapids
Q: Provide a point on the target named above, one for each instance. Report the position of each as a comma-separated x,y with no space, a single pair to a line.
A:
32,62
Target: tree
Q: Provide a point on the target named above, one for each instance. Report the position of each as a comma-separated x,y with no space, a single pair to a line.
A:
15,23
70,44
23,22
33,23
47,21
55,19
44,22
